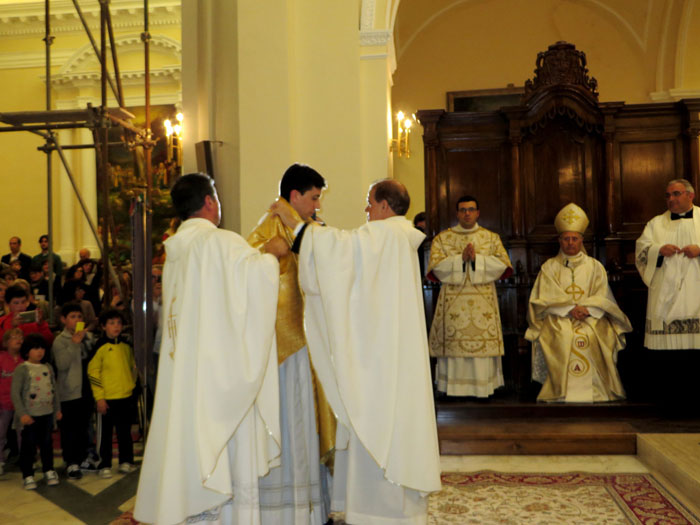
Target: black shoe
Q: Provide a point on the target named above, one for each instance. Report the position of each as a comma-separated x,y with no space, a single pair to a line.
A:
74,472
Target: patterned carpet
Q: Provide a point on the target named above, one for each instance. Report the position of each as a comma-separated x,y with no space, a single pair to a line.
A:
490,498
575,498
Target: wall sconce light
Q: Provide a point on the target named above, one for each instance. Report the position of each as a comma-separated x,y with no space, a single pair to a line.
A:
403,132
173,134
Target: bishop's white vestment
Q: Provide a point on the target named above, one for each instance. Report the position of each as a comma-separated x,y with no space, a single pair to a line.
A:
580,356
215,426
466,335
365,325
673,306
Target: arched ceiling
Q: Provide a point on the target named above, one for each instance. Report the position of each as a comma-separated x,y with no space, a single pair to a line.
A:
635,17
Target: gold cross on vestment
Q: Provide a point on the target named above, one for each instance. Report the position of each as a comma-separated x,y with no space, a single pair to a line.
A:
575,291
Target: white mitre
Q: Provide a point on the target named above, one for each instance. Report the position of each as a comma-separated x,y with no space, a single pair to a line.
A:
571,218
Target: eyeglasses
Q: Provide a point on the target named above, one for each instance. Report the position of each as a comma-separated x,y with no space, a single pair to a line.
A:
465,210
675,194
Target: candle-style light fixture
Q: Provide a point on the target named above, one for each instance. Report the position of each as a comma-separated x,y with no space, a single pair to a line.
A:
173,135
403,132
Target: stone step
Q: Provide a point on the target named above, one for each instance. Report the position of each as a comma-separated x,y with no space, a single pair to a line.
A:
676,457
546,437
458,410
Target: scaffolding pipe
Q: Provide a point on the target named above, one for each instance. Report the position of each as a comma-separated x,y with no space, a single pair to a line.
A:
115,62
147,316
48,40
41,127
94,47
102,153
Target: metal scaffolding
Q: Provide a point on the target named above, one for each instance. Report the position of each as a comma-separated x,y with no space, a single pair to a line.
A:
99,120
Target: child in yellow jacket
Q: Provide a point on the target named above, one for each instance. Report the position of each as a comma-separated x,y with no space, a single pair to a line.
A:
112,374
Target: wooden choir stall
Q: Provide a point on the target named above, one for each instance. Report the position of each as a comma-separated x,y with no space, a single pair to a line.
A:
560,145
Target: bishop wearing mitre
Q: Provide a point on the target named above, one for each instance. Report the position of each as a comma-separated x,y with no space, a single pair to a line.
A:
575,325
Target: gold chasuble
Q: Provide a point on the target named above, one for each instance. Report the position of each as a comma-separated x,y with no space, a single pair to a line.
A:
289,326
580,356
467,322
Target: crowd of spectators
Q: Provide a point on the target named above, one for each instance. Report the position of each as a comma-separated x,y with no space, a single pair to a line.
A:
75,343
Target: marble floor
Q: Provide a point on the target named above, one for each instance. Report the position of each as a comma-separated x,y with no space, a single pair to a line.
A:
674,459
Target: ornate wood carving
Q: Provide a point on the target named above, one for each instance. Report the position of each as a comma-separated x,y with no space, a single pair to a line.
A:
561,65
560,144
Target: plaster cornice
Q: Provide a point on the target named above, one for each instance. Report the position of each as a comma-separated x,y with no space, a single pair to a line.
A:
374,38
163,75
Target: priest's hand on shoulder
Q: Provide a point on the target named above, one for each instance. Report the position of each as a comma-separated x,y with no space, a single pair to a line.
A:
691,251
579,312
669,249
277,246
285,213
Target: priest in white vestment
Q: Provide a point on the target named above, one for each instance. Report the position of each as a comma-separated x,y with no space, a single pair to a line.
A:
365,326
575,325
215,426
667,260
466,335
296,492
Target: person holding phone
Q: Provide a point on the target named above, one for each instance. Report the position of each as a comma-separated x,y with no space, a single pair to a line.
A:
32,322
71,350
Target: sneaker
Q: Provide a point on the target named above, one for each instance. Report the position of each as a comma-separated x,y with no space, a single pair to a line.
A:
126,468
29,483
73,472
106,473
51,477
89,465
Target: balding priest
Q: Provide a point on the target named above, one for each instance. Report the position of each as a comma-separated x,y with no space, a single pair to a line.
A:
575,325
365,327
667,258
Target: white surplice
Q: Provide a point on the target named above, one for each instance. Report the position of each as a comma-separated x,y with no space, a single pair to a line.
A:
366,330
215,426
673,306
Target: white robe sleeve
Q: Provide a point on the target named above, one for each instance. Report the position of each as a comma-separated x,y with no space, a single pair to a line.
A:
487,269
450,270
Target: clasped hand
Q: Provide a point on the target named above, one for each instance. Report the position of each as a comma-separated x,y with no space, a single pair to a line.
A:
469,254
579,312
691,251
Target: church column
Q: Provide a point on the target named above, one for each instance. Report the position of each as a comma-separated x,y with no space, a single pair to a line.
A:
375,104
64,197
88,191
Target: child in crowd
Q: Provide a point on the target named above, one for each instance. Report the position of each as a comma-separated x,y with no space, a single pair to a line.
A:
12,341
70,349
112,373
17,298
36,405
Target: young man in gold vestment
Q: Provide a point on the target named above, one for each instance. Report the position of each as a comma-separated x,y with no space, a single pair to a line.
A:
297,492
466,334
574,322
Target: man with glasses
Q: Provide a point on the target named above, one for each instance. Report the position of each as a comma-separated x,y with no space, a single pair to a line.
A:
667,259
466,334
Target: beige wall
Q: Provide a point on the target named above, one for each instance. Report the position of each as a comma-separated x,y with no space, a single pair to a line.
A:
298,81
638,52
